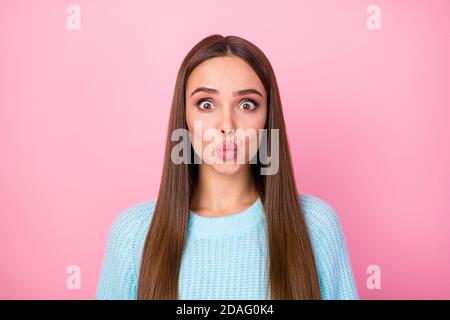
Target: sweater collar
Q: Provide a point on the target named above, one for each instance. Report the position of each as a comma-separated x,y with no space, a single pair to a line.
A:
213,227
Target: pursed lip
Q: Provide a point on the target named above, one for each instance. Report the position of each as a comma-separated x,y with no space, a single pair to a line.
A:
226,150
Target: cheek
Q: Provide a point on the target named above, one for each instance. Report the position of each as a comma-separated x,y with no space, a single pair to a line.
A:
257,119
198,123
260,121
251,122
193,116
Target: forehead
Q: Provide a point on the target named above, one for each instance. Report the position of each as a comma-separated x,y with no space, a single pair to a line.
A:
226,74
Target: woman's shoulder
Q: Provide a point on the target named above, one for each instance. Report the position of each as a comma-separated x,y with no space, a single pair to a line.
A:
139,213
317,209
134,219
322,220
130,226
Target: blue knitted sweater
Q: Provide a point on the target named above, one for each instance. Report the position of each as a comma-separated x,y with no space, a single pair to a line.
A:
225,257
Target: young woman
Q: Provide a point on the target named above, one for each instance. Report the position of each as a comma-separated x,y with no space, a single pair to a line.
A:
222,229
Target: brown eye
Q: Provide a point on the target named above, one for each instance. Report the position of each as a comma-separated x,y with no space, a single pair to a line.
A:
248,105
205,105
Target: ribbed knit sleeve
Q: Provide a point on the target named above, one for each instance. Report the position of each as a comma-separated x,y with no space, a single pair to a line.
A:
330,248
120,268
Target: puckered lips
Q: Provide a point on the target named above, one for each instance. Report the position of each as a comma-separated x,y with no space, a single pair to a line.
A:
226,150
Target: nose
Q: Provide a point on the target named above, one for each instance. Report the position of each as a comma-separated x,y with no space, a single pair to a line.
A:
227,125
227,131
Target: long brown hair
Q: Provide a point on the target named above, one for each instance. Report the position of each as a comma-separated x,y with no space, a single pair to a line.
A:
292,273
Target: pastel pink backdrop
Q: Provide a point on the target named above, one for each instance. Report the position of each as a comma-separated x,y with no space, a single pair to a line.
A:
83,117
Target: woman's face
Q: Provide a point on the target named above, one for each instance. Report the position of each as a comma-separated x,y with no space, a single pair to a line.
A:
226,103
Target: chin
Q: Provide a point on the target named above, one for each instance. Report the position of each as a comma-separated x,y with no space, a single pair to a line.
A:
227,169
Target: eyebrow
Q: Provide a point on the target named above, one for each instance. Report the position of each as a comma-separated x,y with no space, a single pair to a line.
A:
236,93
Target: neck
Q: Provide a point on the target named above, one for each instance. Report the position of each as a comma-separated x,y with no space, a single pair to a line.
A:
218,194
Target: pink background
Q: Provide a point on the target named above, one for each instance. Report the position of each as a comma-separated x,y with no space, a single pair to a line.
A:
83,116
